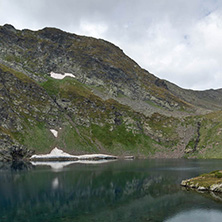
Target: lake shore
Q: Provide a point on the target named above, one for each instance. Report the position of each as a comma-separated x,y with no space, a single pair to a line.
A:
205,182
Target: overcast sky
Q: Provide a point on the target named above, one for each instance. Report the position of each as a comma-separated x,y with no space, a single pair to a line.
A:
177,40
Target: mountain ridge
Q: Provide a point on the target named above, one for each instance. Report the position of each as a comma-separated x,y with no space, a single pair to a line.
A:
112,104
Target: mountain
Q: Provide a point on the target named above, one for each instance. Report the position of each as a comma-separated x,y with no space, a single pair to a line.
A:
108,103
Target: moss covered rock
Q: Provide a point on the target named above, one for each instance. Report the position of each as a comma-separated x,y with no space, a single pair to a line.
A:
205,182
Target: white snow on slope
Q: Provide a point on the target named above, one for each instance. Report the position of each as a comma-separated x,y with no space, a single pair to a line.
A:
54,132
57,153
61,76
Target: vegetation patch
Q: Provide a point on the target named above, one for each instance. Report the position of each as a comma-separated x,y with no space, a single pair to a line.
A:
39,138
120,140
209,181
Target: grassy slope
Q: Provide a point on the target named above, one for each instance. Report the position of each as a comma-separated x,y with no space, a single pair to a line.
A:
100,134
210,144
206,180
84,55
89,124
74,137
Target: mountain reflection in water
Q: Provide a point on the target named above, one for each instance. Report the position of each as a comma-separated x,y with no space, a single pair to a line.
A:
199,215
138,190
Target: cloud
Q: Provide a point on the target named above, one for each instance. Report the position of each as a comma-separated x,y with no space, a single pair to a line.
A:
194,60
177,40
92,29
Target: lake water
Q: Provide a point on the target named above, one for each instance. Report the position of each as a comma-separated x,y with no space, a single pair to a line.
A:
133,190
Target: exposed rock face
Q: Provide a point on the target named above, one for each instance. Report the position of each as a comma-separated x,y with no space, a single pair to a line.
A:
94,62
22,104
13,151
108,103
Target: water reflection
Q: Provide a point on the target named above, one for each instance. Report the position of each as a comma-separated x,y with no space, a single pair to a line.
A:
59,165
55,183
199,215
55,166
146,190
15,166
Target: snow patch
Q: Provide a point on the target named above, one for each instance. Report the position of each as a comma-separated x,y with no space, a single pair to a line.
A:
54,132
61,76
55,153
59,154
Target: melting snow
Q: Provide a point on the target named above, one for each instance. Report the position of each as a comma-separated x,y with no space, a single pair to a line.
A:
61,76
57,153
54,132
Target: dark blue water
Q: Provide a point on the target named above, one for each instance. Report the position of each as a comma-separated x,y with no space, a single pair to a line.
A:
138,190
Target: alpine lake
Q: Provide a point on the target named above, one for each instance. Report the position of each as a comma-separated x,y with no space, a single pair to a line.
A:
123,190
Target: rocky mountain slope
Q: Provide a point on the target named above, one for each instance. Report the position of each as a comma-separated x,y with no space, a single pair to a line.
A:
111,105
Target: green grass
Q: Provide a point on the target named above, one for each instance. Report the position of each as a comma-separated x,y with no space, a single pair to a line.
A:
88,106
17,74
210,136
191,145
119,135
119,140
112,137
39,138
207,179
75,142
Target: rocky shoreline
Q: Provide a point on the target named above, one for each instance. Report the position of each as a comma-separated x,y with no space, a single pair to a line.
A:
211,182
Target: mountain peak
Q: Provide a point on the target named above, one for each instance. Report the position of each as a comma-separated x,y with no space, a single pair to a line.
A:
9,27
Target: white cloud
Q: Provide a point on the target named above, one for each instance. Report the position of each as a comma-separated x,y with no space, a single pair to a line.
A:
92,29
189,56
177,40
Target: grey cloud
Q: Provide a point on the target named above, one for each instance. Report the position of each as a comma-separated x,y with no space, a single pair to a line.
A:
170,38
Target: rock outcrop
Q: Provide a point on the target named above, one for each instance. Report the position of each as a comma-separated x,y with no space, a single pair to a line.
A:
206,182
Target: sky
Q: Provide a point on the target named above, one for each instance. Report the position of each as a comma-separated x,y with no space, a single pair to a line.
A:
177,40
